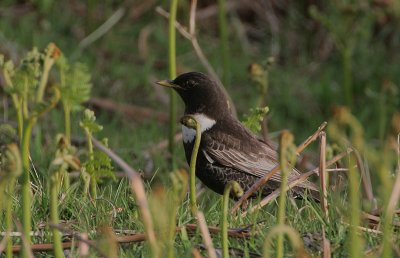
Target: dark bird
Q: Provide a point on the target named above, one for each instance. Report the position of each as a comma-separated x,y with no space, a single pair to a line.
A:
228,150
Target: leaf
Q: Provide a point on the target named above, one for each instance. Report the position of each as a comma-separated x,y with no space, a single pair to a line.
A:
99,166
75,83
88,122
254,119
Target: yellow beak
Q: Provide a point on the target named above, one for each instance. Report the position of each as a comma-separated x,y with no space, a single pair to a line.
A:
168,83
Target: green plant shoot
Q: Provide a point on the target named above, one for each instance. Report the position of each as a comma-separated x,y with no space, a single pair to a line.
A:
287,158
191,122
98,163
234,187
75,87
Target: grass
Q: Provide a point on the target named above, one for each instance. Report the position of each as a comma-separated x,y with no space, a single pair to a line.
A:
304,87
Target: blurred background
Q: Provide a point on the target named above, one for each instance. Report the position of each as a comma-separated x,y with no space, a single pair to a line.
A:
326,54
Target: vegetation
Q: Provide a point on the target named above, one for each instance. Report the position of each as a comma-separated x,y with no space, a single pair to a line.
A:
73,72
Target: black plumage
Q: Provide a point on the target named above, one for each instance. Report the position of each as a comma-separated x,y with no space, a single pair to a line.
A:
228,151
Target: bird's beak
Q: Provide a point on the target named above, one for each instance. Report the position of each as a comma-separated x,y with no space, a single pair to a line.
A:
169,84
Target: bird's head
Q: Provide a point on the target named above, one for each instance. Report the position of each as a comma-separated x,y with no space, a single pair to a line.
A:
199,93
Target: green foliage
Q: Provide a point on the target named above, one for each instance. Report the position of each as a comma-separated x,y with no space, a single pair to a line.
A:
23,80
75,83
10,169
254,119
65,159
88,122
99,166
7,134
343,42
98,163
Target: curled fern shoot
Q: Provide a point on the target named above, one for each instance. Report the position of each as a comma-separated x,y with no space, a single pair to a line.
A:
293,236
191,122
10,169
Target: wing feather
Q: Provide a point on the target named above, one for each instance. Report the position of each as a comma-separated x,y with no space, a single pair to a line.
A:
254,157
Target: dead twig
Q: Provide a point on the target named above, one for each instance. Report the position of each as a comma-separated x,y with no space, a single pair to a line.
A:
77,235
395,196
131,111
103,29
366,180
323,175
136,11
162,145
376,219
206,235
132,238
326,245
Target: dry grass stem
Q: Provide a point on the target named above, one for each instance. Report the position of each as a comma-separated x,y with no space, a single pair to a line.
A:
134,112
395,196
137,10
103,29
27,247
140,196
206,235
3,244
83,247
326,245
366,179
196,253
375,220
162,145
117,159
323,177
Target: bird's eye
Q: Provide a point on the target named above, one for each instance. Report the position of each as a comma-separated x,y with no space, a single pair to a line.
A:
191,83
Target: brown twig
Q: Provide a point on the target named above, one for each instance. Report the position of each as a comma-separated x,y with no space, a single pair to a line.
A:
395,196
275,170
162,144
323,175
79,236
3,243
137,237
206,235
131,111
376,219
196,253
366,180
83,247
212,10
136,11
326,245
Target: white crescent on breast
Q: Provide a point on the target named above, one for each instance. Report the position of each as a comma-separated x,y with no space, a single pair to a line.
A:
188,134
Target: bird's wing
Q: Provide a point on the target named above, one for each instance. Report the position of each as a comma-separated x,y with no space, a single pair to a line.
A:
253,157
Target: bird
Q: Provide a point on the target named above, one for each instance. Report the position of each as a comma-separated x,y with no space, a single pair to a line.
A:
228,150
